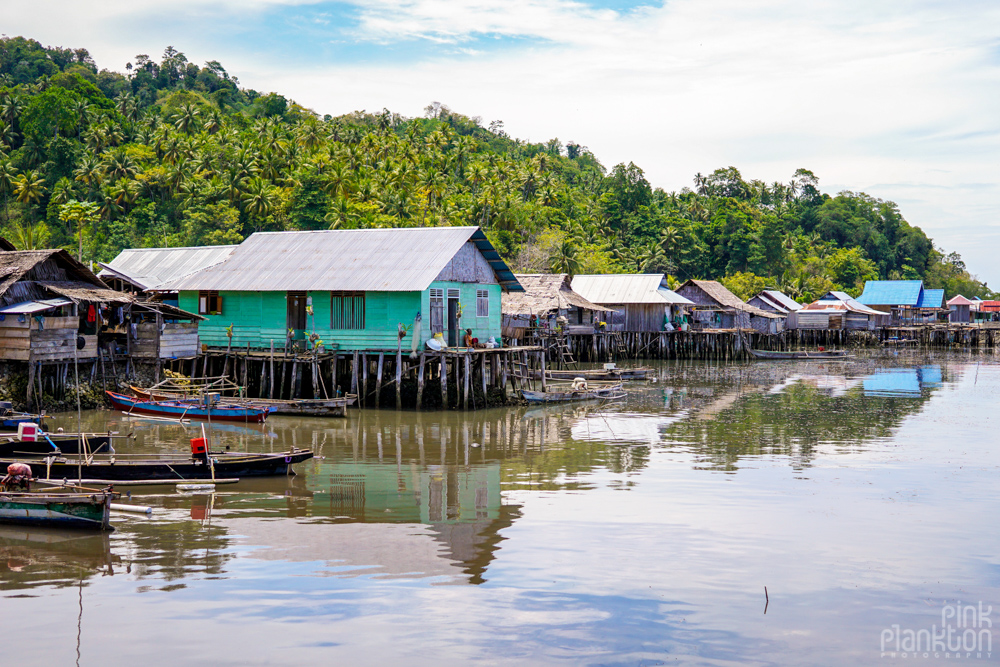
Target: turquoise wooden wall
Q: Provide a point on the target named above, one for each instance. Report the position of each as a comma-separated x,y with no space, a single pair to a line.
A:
260,317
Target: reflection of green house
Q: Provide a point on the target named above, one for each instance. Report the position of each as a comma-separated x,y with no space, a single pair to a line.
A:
410,494
351,288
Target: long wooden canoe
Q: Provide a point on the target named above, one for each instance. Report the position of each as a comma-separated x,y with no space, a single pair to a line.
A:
566,394
188,409
176,468
597,374
798,354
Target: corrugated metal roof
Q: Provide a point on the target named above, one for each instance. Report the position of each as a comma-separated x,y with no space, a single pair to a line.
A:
627,288
931,298
842,301
959,300
34,306
151,267
783,300
891,293
379,260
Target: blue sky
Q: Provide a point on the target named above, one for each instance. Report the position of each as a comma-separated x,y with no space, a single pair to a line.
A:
897,99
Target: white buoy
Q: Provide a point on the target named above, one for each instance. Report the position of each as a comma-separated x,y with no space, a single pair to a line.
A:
476,445
196,487
134,509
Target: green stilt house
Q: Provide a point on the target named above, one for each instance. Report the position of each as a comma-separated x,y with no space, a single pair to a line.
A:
350,290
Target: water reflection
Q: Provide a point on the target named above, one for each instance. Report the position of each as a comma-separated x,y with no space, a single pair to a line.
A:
33,557
903,382
832,499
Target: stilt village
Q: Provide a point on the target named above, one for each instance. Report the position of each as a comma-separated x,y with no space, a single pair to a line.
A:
424,318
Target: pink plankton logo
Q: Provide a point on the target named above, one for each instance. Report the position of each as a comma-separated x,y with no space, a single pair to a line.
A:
965,633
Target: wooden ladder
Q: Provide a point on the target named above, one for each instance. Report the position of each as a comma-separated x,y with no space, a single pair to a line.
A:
565,355
618,350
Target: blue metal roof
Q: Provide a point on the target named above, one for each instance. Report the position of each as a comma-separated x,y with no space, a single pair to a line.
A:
892,293
932,298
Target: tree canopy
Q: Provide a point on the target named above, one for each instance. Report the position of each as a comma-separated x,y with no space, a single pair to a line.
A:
170,153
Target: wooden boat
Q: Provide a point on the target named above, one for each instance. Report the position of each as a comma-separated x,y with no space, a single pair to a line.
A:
314,407
225,465
566,393
189,409
798,354
598,374
49,443
58,509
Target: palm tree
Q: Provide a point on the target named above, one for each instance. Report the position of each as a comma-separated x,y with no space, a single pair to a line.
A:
214,122
186,117
259,198
7,175
29,187
565,259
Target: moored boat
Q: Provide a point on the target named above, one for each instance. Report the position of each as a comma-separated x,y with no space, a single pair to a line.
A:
577,392
798,354
13,446
224,465
189,409
58,509
612,374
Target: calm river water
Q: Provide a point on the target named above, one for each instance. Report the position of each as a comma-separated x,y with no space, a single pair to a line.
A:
863,495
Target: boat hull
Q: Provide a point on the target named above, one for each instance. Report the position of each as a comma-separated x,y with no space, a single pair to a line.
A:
67,444
798,355
567,396
615,375
173,469
185,410
57,510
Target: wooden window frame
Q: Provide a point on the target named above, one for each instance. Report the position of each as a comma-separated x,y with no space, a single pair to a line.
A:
209,302
347,311
437,310
482,303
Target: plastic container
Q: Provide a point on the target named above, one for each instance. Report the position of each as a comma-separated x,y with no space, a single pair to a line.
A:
28,432
198,446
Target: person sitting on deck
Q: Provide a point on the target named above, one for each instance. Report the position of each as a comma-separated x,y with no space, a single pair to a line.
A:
469,341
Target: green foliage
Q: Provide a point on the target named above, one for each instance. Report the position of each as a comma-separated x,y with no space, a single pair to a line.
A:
746,285
172,153
850,268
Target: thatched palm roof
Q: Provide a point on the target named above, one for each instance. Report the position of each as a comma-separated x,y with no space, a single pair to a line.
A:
28,275
543,293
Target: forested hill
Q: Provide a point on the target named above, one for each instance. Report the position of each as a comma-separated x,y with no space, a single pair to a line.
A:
170,153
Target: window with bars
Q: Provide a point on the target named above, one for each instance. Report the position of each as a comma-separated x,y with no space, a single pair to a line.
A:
437,310
209,303
347,310
482,303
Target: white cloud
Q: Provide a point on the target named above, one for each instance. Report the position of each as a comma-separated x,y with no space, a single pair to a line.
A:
895,99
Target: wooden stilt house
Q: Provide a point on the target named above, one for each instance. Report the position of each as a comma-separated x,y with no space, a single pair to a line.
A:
52,307
718,308
640,302
362,289
548,303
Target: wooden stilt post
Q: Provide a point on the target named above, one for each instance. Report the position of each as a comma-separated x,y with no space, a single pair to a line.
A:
399,379
270,393
482,372
420,382
354,374
378,378
364,376
296,379
541,358
465,381
444,381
